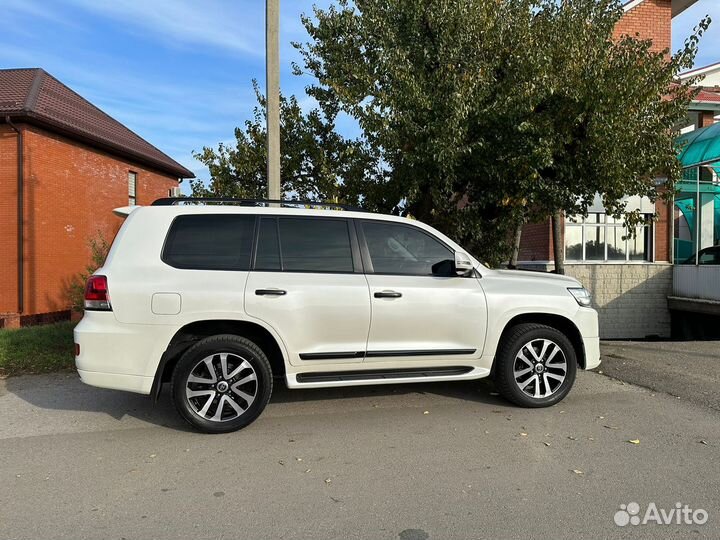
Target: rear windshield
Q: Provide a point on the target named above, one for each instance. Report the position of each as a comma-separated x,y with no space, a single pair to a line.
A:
210,242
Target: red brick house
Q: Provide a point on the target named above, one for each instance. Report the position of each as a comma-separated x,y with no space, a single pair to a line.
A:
630,279
64,165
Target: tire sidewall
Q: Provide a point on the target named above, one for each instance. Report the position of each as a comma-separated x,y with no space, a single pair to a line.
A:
214,345
510,351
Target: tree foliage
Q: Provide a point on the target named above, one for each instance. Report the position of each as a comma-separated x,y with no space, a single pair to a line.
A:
317,163
473,115
75,288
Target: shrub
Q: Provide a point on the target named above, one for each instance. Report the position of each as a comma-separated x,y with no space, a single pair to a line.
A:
99,248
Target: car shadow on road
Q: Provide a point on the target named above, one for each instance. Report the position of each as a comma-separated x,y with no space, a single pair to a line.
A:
481,391
65,392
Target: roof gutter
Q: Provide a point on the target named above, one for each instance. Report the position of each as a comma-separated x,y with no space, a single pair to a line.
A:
705,105
676,6
706,163
20,216
98,143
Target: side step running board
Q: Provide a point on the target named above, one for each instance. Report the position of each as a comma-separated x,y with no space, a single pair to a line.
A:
381,374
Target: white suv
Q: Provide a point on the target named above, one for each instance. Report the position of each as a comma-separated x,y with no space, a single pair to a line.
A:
221,298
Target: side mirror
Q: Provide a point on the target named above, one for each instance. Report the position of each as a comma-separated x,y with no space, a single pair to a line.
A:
444,268
463,264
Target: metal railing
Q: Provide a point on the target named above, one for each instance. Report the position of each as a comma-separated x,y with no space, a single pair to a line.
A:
285,203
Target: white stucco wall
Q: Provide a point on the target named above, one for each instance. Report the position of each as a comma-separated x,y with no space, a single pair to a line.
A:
709,75
711,78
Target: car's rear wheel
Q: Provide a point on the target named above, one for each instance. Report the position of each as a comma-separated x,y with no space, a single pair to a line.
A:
222,383
536,365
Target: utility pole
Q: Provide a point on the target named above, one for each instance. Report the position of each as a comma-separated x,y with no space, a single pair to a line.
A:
272,78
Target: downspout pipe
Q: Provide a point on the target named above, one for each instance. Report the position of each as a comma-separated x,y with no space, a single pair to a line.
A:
20,215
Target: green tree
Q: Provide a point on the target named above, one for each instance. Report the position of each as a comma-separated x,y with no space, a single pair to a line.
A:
611,107
485,114
474,116
317,163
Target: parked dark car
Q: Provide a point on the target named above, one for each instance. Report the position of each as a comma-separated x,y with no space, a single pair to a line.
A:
708,255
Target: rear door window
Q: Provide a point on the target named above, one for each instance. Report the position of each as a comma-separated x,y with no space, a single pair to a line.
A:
315,245
210,242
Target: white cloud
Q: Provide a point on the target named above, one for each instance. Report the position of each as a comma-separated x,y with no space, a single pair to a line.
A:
178,101
234,26
29,8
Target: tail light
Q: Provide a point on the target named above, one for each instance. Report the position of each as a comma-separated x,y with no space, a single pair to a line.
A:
97,297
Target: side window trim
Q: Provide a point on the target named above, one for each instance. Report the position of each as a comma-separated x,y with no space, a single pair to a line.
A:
256,240
255,236
358,262
365,251
280,255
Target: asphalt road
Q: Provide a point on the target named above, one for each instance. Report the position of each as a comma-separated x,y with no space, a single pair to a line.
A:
411,462
689,370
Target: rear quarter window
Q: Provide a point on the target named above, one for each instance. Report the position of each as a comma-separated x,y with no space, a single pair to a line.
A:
210,242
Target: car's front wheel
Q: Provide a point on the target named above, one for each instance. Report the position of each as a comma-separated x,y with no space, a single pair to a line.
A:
535,365
222,383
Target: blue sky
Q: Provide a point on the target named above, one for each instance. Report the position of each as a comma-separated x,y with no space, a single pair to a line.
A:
178,72
683,25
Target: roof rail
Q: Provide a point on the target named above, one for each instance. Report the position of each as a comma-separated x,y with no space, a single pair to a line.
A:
172,201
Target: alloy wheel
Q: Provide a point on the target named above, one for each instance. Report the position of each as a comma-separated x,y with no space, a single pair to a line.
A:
221,387
540,368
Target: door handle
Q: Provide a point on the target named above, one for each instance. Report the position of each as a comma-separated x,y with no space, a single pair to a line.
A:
387,294
270,292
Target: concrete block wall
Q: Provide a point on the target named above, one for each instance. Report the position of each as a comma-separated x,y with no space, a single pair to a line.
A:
631,299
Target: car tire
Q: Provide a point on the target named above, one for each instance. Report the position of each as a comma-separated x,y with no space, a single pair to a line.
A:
222,383
535,366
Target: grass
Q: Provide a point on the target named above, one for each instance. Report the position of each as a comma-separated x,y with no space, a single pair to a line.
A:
37,349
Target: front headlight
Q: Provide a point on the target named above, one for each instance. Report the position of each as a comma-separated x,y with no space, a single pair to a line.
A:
581,294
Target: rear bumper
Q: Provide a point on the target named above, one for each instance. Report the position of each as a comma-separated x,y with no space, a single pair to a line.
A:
119,356
116,381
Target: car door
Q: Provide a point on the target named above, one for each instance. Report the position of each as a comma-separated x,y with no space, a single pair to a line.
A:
307,284
417,315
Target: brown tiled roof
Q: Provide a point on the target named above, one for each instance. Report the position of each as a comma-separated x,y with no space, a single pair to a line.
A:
707,94
35,96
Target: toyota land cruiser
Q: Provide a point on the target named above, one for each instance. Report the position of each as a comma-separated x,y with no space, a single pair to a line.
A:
219,299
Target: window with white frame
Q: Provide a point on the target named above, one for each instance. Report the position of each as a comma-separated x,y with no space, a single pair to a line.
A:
132,188
599,237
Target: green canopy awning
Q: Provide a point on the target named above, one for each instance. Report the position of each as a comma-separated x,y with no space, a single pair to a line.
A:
700,147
